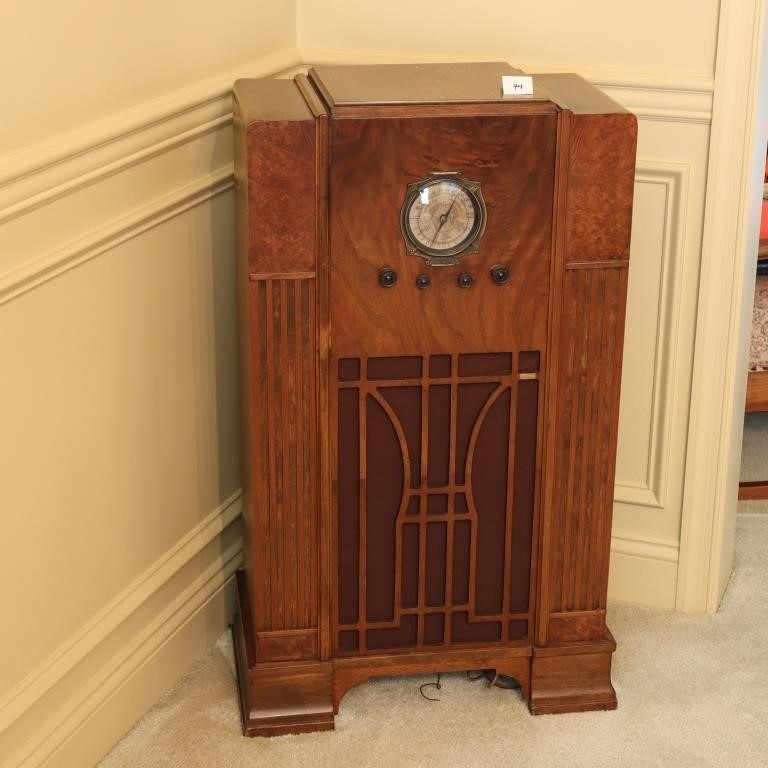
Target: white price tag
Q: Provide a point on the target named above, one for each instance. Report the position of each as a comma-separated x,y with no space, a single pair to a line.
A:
517,85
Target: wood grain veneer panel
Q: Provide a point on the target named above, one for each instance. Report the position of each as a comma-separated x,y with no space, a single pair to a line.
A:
600,186
284,572
513,158
593,221
286,645
281,196
428,477
591,333
753,490
275,172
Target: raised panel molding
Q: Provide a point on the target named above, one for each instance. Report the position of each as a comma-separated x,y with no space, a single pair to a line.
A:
674,180
63,203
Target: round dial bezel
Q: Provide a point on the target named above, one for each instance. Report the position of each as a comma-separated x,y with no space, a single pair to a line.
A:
468,244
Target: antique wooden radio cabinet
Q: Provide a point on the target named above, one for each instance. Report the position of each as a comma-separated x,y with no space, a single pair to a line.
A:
432,284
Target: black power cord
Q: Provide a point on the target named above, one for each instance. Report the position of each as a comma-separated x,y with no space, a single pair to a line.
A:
427,685
491,675
494,679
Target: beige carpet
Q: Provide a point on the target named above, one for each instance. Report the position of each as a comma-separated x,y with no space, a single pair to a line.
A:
754,453
693,693
754,458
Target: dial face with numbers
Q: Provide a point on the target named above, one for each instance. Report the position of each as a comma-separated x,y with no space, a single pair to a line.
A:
443,217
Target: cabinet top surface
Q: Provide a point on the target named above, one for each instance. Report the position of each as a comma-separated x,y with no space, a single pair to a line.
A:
415,83
346,89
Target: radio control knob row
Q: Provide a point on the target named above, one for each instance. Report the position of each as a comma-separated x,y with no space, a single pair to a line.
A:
388,278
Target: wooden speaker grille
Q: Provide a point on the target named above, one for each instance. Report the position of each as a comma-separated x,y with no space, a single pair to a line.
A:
435,491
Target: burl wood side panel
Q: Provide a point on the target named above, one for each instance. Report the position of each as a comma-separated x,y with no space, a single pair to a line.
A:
600,187
283,581
281,196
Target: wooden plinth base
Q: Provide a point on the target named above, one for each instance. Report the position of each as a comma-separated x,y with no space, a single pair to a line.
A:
572,678
511,661
285,697
279,697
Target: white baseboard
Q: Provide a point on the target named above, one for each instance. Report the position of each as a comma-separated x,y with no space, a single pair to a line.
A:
126,704
144,640
643,569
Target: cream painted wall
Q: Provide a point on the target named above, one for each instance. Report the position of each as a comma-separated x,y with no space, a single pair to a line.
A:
120,422
67,64
119,468
653,36
118,407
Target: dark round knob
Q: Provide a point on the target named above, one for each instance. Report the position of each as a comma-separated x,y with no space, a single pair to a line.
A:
464,280
423,281
387,277
499,274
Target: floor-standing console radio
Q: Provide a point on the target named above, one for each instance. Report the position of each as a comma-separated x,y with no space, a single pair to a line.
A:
432,283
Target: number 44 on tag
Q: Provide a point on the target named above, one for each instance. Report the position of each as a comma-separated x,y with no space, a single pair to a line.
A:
514,85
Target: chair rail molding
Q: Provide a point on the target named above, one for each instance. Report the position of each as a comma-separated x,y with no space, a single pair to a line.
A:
37,173
144,166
